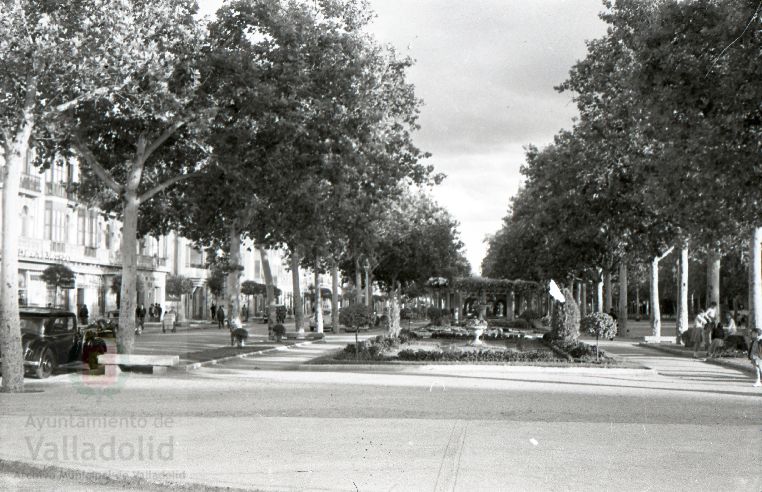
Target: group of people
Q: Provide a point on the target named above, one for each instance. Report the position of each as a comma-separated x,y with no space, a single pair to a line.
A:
154,311
218,313
715,335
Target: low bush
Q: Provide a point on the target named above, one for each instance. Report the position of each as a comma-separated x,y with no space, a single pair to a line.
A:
371,349
518,324
530,315
279,329
486,355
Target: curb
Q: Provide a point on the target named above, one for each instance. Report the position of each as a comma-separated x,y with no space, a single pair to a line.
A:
127,480
197,365
428,369
718,361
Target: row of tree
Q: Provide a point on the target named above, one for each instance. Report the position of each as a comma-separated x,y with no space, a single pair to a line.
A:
280,121
664,156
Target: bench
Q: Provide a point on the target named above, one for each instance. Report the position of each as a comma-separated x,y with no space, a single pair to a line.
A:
155,364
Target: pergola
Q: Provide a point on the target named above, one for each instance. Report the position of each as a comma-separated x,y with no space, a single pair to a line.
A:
515,295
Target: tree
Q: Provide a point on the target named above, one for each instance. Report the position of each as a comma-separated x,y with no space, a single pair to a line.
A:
176,287
52,59
147,132
58,276
416,240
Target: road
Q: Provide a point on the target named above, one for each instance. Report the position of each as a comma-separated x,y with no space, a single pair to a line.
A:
693,426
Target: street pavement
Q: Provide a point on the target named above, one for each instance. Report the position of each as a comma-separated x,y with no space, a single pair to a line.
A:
250,424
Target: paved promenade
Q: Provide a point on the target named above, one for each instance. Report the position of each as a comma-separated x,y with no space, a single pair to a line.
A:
249,424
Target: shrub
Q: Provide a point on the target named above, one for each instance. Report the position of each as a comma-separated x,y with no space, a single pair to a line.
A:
354,316
371,349
486,355
519,324
565,320
600,325
530,315
279,329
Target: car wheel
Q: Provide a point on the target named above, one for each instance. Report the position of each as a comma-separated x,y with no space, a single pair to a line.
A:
47,364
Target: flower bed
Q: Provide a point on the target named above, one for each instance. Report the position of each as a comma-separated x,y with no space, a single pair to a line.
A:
515,349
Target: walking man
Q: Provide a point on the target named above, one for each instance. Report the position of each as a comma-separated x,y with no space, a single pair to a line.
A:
220,318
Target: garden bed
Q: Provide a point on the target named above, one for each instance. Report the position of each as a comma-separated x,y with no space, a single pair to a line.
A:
511,351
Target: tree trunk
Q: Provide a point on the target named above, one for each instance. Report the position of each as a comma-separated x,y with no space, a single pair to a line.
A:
368,293
622,322
296,285
10,336
234,279
318,301
583,305
578,293
125,339
358,282
655,311
394,311
608,292
599,292
755,279
335,299
270,290
682,293
713,279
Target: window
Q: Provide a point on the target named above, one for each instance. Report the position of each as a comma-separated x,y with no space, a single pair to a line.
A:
81,227
92,229
56,223
107,236
25,229
257,268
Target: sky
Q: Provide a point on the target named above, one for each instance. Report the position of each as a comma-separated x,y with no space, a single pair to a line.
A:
485,70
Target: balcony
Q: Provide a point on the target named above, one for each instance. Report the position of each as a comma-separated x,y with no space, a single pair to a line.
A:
91,251
57,247
30,183
58,189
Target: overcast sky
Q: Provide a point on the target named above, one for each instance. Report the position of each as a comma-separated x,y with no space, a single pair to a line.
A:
485,70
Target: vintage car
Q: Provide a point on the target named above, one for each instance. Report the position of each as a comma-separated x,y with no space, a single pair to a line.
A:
106,326
50,337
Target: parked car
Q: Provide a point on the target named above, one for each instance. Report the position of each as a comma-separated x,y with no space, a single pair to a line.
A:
50,337
106,326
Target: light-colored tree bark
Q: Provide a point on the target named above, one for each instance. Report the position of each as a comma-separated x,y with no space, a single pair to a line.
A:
394,311
296,286
655,308
234,278
713,279
318,300
270,289
622,321
755,279
15,151
608,291
335,298
682,293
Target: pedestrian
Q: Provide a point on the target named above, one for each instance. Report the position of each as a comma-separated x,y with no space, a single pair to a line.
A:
717,342
213,309
704,323
140,315
169,321
755,354
220,318
158,311
245,313
84,314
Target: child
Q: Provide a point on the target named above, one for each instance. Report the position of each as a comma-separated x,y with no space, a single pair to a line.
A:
755,353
